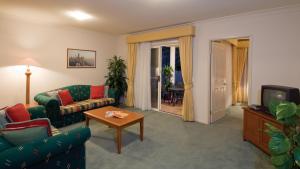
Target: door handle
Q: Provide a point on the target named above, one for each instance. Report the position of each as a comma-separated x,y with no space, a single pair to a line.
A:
156,78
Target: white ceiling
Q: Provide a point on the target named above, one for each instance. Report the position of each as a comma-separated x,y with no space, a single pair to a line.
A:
126,16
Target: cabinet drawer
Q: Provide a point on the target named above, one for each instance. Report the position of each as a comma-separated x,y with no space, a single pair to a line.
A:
252,128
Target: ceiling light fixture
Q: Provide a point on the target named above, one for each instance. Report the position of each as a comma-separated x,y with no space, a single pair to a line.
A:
79,15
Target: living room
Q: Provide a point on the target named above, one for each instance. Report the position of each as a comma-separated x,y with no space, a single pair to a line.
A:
43,35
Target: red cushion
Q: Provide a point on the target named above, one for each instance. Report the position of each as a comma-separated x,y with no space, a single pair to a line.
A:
65,97
43,122
17,113
97,92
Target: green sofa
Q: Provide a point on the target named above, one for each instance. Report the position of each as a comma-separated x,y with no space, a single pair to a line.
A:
64,150
65,115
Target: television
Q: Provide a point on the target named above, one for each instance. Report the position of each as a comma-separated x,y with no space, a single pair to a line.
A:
278,93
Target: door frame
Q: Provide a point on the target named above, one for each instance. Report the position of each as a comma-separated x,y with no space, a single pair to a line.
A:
159,82
159,45
250,60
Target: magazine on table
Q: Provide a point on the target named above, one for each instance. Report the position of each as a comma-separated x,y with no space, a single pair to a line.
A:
117,114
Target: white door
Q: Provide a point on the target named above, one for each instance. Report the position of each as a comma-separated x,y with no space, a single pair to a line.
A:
218,81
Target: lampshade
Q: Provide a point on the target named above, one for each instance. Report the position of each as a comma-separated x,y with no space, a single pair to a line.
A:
28,62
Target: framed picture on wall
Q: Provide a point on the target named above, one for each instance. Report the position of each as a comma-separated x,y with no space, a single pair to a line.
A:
79,58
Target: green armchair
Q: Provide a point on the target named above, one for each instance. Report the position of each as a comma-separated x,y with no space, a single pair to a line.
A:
65,150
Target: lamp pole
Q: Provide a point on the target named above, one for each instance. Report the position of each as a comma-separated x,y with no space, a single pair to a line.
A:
28,73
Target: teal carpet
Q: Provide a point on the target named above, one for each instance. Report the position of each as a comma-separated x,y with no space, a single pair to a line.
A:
170,143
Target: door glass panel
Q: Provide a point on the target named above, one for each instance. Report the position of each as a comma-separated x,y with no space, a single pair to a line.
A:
165,61
178,73
155,77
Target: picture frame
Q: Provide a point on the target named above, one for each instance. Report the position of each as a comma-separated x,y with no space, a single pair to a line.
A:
80,58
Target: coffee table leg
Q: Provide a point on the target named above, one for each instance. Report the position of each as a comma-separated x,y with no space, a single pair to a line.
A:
119,139
87,121
142,129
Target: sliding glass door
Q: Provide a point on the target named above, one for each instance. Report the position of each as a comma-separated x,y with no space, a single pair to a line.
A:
166,79
155,78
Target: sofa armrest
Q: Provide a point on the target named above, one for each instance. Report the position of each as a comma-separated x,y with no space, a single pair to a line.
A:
42,99
29,154
37,112
51,106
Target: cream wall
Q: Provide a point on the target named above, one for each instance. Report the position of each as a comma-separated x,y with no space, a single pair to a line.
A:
274,51
47,44
122,46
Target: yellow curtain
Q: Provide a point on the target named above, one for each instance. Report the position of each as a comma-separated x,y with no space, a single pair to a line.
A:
132,52
239,63
186,57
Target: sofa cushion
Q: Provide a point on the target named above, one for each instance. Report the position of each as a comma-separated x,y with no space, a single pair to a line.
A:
85,105
75,107
95,103
97,92
17,113
4,144
65,97
74,91
84,92
19,136
43,122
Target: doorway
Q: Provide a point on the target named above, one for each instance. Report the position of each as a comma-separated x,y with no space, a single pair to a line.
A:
166,80
229,76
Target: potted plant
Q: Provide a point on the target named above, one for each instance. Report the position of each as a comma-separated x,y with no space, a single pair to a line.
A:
116,78
284,145
167,75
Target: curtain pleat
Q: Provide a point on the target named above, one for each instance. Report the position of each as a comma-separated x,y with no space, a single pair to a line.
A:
132,52
239,75
142,82
186,59
242,88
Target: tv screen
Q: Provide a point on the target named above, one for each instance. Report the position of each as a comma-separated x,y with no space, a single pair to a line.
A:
270,95
275,93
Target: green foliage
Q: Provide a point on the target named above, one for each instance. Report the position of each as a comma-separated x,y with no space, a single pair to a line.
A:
298,111
284,145
286,110
297,155
273,106
279,145
280,159
116,78
167,75
296,138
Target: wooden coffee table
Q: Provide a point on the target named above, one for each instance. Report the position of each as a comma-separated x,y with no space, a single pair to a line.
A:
117,123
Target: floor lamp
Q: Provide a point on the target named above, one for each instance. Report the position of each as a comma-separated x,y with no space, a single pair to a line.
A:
28,73
28,62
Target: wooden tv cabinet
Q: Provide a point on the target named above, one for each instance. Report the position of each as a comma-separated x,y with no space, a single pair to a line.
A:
254,128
